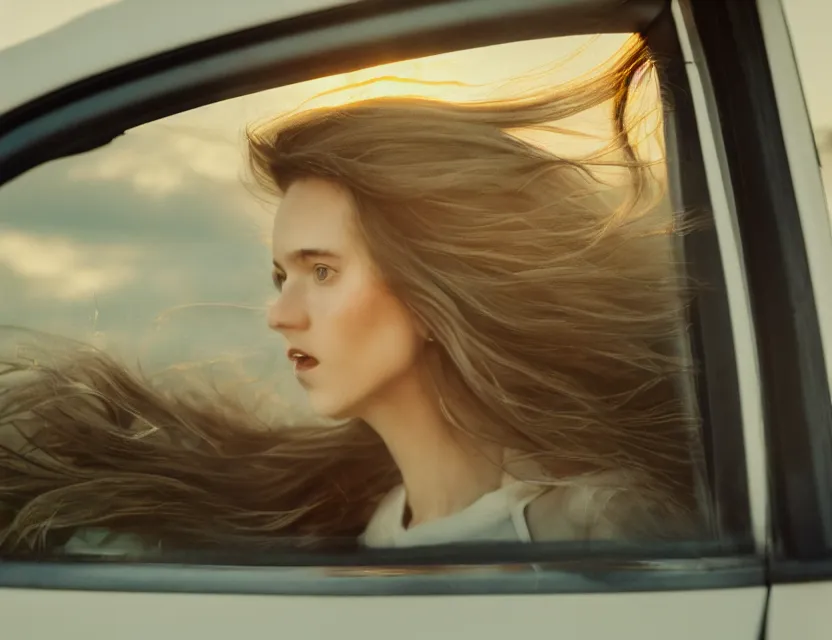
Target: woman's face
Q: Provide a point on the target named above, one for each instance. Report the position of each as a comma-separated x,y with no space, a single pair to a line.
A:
349,339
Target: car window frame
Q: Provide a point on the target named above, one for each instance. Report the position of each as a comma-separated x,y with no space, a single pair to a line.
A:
91,113
795,384
720,320
813,209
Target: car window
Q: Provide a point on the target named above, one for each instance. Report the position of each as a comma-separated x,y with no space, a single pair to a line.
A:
153,247
161,251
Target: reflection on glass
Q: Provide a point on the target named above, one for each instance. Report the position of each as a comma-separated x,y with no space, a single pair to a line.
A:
479,309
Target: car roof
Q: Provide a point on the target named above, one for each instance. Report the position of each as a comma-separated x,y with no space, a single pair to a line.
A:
124,32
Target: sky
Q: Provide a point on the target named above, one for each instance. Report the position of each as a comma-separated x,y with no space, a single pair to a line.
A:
153,247
24,19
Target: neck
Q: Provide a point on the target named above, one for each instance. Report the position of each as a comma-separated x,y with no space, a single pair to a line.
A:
443,470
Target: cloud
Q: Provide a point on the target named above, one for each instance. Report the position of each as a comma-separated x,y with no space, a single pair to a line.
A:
153,179
61,268
161,161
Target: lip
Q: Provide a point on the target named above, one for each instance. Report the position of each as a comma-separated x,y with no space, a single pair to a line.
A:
301,360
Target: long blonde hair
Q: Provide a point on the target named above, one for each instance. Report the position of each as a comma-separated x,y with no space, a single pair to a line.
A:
555,302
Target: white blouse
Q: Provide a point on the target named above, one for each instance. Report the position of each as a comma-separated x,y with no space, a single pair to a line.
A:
496,516
590,507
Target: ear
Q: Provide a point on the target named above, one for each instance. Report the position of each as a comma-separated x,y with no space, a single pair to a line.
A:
420,327
425,333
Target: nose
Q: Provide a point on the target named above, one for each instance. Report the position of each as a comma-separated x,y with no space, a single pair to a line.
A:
287,313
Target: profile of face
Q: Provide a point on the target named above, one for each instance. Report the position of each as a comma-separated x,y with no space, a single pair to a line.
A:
350,340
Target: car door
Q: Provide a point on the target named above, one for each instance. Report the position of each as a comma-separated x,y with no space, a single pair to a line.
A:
66,119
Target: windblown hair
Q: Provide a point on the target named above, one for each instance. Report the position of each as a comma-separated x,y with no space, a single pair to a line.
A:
556,305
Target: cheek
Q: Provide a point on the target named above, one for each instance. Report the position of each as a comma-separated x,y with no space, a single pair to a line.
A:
376,329
370,339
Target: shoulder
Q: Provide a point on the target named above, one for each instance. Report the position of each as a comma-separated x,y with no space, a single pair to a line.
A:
605,507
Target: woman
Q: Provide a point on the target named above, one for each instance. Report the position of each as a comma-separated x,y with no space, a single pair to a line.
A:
493,329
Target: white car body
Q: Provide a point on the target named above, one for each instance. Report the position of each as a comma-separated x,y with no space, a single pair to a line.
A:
209,603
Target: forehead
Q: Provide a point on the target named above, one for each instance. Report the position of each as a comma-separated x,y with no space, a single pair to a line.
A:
314,213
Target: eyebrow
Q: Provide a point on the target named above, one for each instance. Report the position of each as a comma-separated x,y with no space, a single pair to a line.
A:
304,255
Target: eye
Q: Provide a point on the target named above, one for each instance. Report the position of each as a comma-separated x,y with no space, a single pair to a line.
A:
278,278
322,273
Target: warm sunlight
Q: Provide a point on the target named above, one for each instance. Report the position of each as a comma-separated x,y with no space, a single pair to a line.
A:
487,73
477,74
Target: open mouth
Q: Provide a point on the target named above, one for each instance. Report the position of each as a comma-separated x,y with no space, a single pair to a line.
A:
302,360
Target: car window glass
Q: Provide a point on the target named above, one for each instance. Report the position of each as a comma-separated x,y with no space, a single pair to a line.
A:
156,250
